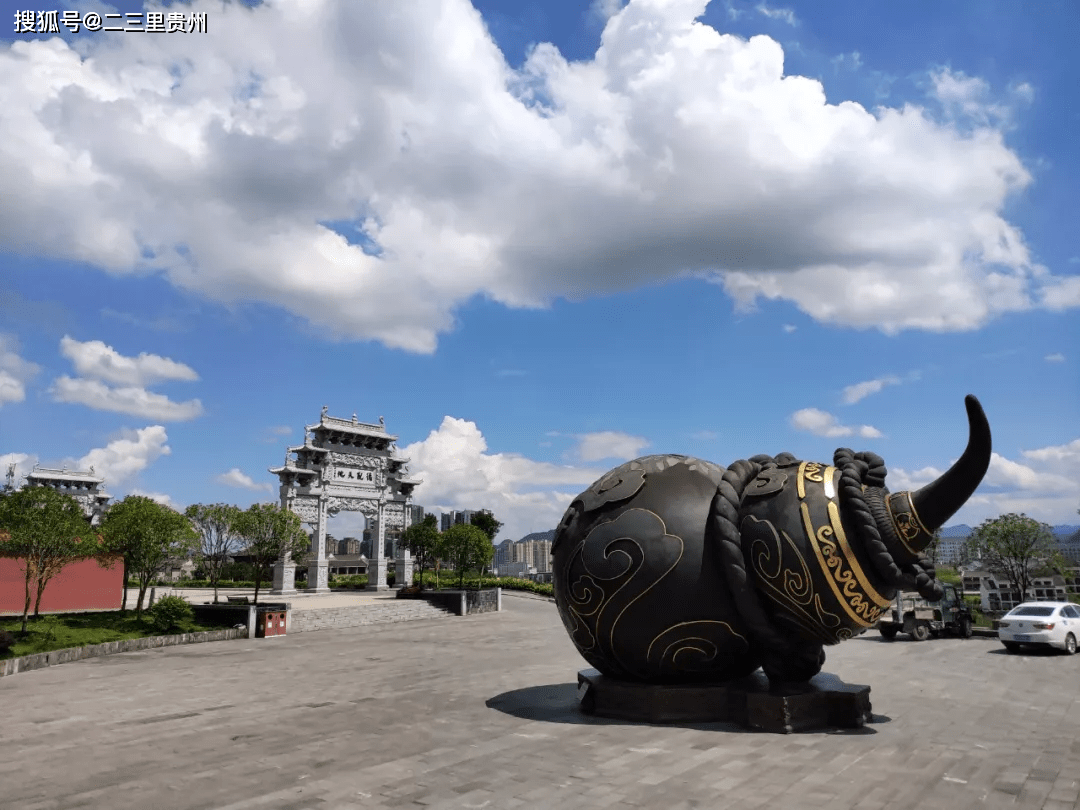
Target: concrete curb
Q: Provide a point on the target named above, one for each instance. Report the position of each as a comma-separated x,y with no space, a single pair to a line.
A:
527,595
26,663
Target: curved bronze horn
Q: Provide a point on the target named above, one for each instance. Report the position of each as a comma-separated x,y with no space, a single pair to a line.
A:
939,500
908,520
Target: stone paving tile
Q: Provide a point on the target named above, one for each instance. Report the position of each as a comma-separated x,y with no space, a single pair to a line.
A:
479,712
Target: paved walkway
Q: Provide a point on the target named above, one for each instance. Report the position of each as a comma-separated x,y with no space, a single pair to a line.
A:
479,712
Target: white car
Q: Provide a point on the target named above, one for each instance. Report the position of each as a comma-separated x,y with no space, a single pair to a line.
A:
1056,624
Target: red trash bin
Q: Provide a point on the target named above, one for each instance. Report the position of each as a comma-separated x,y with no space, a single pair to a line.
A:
270,623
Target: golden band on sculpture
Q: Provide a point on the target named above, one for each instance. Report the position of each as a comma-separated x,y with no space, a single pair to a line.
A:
906,523
846,578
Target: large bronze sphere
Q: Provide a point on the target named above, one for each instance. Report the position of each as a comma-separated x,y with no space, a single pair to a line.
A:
641,593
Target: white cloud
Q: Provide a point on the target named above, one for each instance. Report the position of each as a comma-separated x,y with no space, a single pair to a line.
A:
94,359
790,327
970,98
14,371
851,61
609,444
459,473
604,10
900,480
125,456
782,14
966,95
1061,294
1063,459
11,388
822,423
160,497
100,364
674,151
854,393
1012,474
133,401
1057,357
235,478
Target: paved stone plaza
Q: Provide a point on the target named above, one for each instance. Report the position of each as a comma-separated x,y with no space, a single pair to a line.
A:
479,712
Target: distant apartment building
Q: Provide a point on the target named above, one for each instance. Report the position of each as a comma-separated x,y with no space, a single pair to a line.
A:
530,555
950,550
416,515
997,594
1070,548
350,545
536,550
515,569
455,518
537,553
504,554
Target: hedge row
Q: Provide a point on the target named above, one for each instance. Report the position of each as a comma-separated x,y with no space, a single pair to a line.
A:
359,581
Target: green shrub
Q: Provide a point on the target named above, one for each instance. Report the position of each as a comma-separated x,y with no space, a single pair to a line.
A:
169,613
507,583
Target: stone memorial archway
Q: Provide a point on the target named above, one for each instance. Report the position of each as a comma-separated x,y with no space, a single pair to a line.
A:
345,465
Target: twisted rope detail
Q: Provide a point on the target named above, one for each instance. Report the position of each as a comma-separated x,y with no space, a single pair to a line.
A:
782,657
857,470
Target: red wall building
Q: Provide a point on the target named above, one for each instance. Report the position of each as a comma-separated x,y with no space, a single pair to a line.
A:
82,585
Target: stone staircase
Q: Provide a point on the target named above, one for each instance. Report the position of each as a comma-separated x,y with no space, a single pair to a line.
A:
404,610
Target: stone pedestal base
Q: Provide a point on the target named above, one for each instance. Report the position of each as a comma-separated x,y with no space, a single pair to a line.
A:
318,577
825,702
284,583
403,571
376,574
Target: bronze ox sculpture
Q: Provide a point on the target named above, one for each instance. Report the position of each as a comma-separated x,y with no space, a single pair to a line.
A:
673,570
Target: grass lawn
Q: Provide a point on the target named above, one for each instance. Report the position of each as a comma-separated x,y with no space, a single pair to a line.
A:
60,631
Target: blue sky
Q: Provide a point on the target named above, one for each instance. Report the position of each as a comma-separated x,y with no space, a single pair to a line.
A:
541,239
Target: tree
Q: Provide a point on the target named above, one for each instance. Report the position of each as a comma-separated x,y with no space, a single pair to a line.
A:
423,540
149,535
486,522
47,530
1017,546
271,533
215,526
467,547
